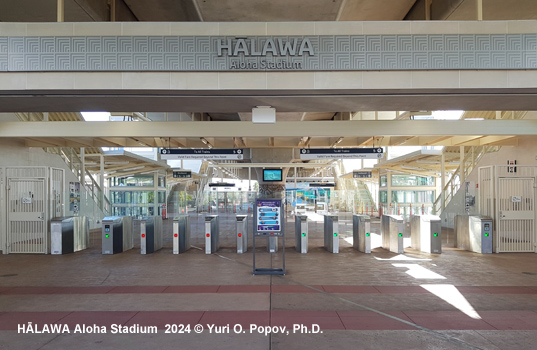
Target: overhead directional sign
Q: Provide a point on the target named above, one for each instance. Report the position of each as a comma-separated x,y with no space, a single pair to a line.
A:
182,174
341,153
361,174
216,154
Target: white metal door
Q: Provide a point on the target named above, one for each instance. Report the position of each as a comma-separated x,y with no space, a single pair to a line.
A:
516,215
26,220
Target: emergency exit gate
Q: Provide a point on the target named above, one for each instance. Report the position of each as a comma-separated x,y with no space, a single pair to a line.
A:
507,194
28,207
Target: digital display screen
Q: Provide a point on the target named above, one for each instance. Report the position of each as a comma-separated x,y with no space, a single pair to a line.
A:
269,215
272,175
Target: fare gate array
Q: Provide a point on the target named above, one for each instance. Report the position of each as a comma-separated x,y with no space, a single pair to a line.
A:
301,233
331,233
242,234
426,233
361,233
68,234
181,234
117,234
212,234
474,233
391,230
150,234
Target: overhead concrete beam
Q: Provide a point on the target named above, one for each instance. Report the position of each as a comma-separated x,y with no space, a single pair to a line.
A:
280,129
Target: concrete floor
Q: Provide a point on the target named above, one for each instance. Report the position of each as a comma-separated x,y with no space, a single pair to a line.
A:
453,300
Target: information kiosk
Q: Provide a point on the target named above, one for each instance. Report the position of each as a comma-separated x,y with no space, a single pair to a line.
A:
269,222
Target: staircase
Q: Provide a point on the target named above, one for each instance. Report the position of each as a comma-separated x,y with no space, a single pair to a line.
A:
472,157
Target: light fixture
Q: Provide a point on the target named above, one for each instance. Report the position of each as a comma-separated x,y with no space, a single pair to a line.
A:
264,114
206,142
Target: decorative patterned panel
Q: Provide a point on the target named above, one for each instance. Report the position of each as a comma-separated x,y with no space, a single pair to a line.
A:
331,53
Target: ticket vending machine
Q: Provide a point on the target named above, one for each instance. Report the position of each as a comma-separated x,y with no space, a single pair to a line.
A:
150,234
331,233
269,223
242,233
181,234
361,233
117,234
212,234
426,233
301,233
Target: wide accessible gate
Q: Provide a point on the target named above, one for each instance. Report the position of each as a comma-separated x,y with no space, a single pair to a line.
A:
514,212
27,210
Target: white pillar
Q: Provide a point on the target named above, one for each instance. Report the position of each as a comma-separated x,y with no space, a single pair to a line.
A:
83,170
479,4
101,182
462,167
442,183
61,10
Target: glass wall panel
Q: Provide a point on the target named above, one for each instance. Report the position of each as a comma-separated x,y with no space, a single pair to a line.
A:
383,180
412,196
412,180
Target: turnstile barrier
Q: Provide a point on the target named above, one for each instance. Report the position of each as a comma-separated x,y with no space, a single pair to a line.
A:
150,234
242,233
361,233
331,233
391,230
301,233
68,234
181,234
426,233
212,234
272,244
474,233
117,234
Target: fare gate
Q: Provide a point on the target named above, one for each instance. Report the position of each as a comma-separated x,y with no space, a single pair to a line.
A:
150,234
474,233
331,233
361,233
301,233
212,234
117,234
242,233
426,233
392,229
181,234
68,234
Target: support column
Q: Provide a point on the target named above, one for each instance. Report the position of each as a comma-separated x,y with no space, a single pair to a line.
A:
61,11
442,183
83,171
112,10
249,179
101,182
462,167
479,4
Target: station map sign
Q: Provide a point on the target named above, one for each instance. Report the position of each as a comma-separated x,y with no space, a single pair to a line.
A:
341,153
269,217
198,154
